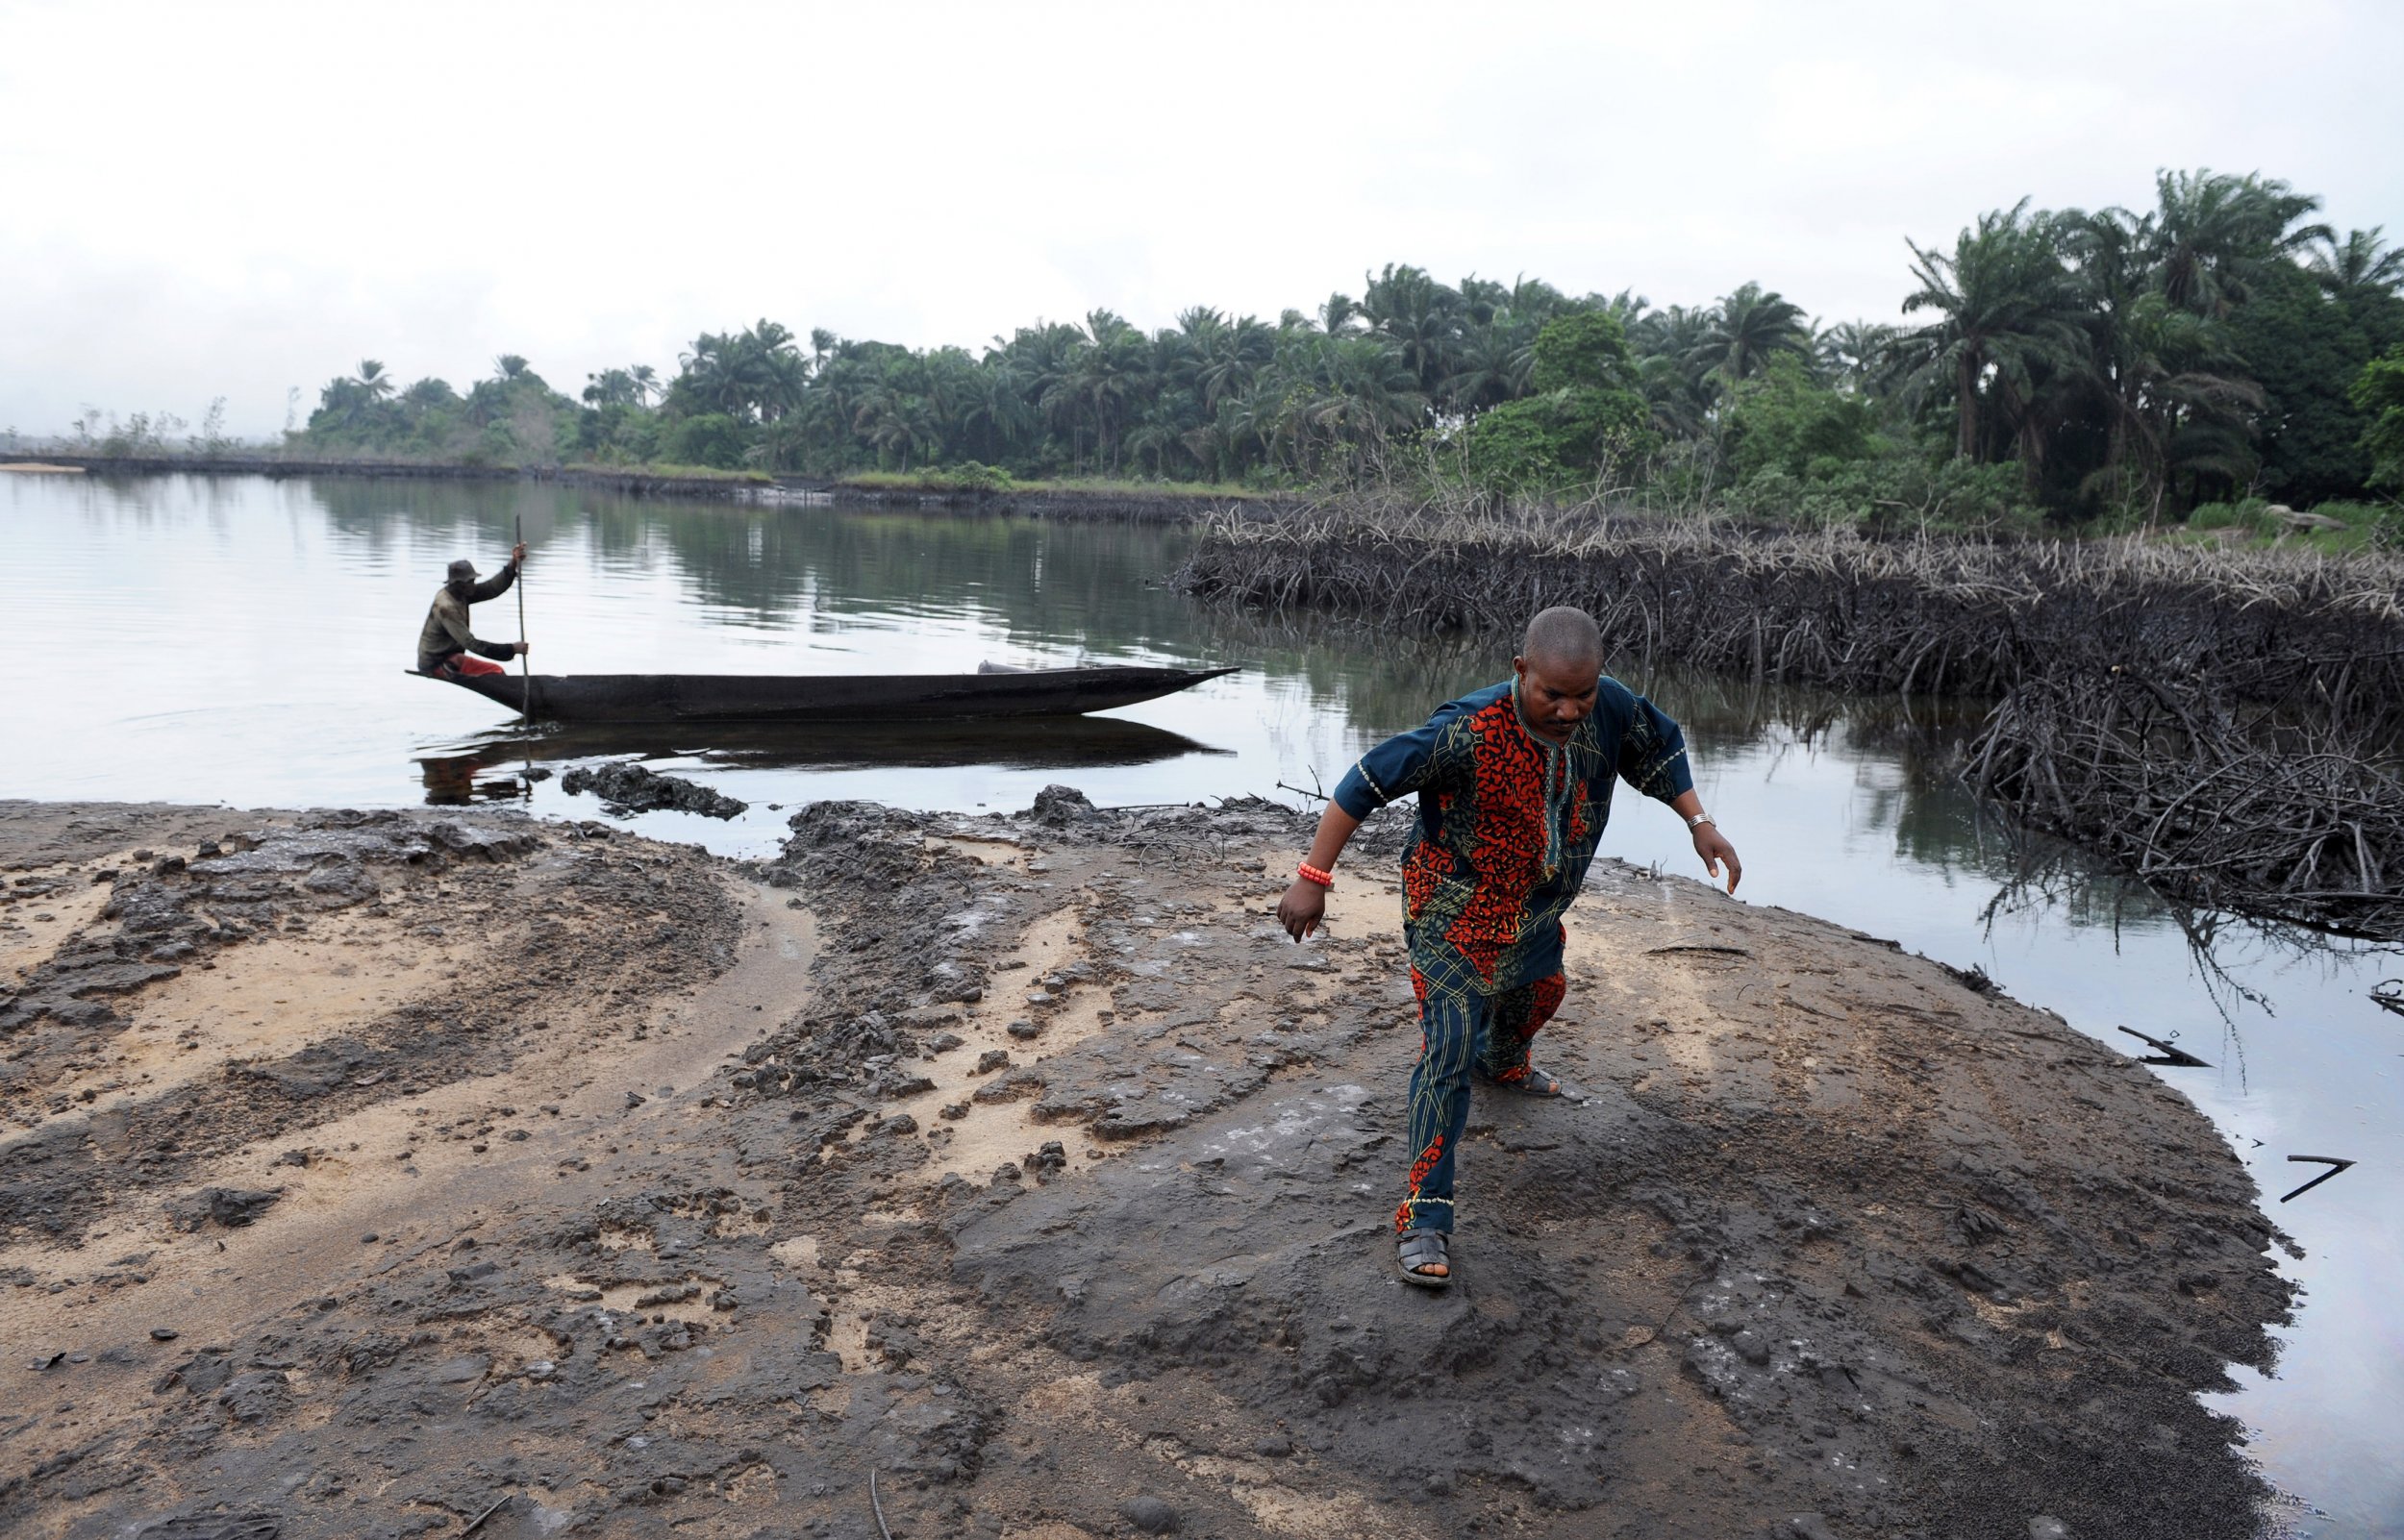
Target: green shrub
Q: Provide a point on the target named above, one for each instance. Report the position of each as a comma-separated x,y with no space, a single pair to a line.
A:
1586,412
2379,524
973,476
2251,514
2380,392
2354,515
711,438
1894,493
1562,439
1584,351
1781,418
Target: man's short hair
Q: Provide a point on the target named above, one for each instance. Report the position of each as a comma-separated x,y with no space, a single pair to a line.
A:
1564,637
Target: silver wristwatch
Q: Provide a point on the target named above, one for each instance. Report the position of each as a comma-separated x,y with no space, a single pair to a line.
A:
1700,819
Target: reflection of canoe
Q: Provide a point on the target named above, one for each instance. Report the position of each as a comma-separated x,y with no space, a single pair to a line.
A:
833,697
1027,743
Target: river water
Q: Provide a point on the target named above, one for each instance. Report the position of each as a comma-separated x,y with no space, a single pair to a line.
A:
243,641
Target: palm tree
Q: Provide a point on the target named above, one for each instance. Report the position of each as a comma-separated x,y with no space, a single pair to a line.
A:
2361,261
1855,354
1235,357
1154,438
1749,328
1667,342
776,373
894,423
825,416
1216,446
1344,394
1341,314
1257,420
1039,358
1492,366
2113,255
429,393
2178,403
372,379
1107,374
1627,307
2213,232
2006,308
1420,316
507,366
707,373
993,415
755,375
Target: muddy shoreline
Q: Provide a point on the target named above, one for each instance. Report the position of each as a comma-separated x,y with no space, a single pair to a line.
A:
360,1171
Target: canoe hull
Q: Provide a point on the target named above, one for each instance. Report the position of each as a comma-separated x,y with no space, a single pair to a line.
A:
830,698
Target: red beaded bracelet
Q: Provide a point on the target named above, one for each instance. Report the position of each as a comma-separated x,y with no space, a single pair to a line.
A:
1311,873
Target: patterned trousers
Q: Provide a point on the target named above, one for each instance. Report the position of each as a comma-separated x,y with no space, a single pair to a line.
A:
1461,1026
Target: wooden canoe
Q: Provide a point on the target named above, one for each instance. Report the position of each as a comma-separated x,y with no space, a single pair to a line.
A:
829,697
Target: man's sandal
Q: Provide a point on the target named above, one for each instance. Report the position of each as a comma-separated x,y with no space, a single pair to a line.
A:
1419,1249
1525,1081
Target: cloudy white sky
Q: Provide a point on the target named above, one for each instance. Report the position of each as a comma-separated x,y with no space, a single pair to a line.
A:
203,200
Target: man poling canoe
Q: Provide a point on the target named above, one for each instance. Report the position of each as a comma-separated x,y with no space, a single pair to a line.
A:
445,644
1514,785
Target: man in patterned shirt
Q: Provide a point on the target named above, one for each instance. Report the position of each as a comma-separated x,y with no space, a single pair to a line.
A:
1514,785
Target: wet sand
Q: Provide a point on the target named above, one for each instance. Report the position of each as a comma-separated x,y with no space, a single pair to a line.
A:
360,1171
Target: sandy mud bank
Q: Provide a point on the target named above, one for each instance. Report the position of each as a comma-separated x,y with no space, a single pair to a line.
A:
363,1173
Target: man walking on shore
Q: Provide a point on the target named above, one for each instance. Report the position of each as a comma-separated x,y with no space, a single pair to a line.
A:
445,642
1514,785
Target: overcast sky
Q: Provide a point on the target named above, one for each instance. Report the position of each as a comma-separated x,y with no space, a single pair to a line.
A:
202,200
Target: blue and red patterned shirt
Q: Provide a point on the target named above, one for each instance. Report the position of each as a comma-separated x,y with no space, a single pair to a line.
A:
1508,823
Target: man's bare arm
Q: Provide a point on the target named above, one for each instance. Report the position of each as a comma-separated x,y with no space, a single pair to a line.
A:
1305,904
1708,842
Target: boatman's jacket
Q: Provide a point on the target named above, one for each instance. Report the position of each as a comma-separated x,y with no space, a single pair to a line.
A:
1508,823
446,634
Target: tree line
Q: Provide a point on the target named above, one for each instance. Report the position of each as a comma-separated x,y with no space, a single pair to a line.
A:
2115,364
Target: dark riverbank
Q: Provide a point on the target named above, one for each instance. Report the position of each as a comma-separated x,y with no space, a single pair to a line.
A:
1023,1164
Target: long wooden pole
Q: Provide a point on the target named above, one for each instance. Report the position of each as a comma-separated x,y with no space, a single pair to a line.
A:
525,668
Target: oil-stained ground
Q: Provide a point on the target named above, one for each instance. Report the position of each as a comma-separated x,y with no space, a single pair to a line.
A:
379,1174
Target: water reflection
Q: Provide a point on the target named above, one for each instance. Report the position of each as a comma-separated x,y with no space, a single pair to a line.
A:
491,766
2225,950
458,780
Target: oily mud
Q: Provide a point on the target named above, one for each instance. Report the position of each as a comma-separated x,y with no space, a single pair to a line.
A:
630,787
1026,1165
